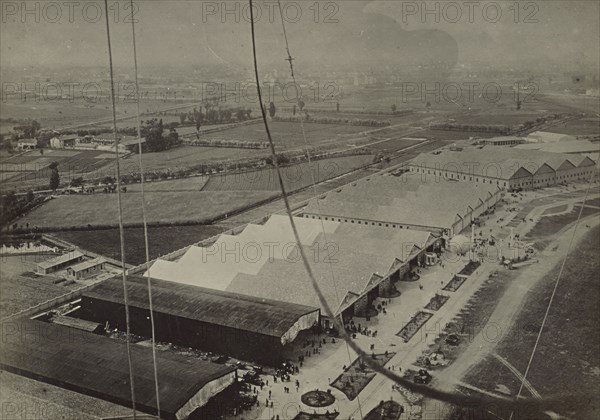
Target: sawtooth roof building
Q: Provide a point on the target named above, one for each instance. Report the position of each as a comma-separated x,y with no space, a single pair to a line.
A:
406,202
506,167
238,325
98,366
352,264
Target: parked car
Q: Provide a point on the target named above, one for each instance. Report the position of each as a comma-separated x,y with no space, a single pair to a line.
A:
423,377
453,339
252,378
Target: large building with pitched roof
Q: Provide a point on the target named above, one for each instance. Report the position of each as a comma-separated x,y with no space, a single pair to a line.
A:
242,326
405,202
98,366
506,167
352,264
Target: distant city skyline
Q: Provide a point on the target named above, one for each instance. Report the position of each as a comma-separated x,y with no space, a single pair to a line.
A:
376,34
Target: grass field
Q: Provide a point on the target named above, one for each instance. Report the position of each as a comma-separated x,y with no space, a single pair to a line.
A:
195,183
556,209
507,117
79,211
162,240
21,290
58,114
392,146
32,167
295,176
570,340
288,135
187,156
453,135
584,126
550,225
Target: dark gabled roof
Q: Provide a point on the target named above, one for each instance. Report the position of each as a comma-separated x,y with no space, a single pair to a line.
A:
233,310
98,366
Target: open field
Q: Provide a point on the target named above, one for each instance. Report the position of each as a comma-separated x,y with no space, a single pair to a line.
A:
550,225
587,126
66,113
294,177
79,211
194,183
570,339
288,135
392,146
453,135
509,118
21,289
187,156
162,240
31,168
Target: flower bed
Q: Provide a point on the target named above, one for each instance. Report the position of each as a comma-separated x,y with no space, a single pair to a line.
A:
410,329
356,377
470,268
388,410
317,398
437,302
455,283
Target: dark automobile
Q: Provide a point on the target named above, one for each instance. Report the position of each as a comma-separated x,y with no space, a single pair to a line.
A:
423,377
252,378
453,339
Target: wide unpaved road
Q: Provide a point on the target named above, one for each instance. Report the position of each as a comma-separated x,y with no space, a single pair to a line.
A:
507,309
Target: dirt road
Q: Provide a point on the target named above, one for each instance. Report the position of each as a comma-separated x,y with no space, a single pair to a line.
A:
507,309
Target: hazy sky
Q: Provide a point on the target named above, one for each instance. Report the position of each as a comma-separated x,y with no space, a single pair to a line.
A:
343,33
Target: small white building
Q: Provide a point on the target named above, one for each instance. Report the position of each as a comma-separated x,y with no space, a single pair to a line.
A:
64,141
27,144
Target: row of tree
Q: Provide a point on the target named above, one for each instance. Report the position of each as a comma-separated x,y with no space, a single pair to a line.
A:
13,206
237,144
214,115
157,138
332,120
478,128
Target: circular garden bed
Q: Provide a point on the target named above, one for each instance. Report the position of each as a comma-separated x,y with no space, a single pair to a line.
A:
317,399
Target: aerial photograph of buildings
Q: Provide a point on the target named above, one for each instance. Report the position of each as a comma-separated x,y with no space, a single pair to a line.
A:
299,210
